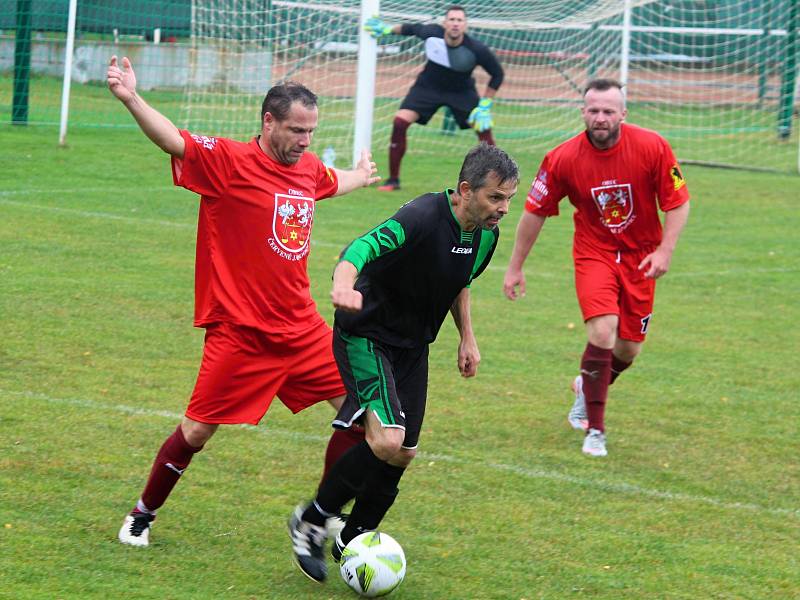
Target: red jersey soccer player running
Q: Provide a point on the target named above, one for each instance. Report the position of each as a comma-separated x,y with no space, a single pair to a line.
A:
264,336
617,176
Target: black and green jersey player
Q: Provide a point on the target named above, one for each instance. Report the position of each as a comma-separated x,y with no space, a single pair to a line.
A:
392,289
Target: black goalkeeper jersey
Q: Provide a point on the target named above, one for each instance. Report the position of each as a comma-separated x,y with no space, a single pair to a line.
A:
411,269
449,68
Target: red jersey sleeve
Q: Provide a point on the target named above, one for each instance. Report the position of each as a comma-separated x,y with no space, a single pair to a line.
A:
327,181
205,167
671,185
546,191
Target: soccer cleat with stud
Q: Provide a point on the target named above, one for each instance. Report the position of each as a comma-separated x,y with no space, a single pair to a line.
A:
594,444
135,529
308,541
333,525
390,185
577,415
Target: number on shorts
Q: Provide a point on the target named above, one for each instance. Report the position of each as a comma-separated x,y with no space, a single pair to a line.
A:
646,323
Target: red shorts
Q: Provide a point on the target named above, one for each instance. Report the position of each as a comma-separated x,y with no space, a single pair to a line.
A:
608,283
243,370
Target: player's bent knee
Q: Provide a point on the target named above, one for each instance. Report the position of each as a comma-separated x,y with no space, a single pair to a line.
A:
627,350
407,116
387,443
404,457
196,433
602,331
603,339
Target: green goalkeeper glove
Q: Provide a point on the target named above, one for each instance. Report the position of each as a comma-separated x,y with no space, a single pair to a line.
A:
377,28
481,116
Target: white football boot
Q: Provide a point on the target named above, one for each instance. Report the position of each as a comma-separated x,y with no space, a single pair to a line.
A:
135,529
594,444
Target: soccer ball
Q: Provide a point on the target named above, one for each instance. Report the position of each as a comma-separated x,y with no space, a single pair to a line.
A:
373,564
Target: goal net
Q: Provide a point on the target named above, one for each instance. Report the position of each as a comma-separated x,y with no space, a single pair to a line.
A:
718,79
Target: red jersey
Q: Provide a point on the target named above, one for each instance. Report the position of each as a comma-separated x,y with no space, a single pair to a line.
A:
614,191
253,233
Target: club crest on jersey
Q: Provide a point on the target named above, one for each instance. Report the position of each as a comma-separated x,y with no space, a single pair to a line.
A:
615,203
291,225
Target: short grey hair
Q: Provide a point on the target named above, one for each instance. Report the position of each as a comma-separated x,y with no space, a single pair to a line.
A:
484,159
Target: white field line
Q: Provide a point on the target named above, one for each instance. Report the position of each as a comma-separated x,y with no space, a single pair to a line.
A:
533,272
192,226
106,189
125,219
98,215
519,470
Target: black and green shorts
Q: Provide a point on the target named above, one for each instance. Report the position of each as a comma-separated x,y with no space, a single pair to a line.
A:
391,382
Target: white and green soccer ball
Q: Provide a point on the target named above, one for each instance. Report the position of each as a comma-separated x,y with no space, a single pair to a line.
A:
373,564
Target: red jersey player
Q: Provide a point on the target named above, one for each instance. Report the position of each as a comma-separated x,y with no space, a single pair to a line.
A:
264,336
617,176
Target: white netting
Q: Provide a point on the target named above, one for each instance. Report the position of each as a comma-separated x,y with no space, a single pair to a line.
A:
713,77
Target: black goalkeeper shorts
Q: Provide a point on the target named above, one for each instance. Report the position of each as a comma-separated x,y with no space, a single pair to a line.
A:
426,101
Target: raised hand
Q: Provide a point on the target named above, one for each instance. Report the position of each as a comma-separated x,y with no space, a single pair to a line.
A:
121,82
481,116
367,167
377,28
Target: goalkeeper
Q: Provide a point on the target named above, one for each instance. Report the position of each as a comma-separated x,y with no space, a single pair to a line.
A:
446,80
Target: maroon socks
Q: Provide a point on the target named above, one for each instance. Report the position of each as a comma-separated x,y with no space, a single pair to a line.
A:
486,136
176,454
617,367
397,147
172,459
341,441
596,373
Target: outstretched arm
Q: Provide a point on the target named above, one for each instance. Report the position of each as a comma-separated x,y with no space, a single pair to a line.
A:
657,262
362,176
527,231
468,354
161,131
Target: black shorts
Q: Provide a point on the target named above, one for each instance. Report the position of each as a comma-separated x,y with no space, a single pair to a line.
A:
426,101
391,382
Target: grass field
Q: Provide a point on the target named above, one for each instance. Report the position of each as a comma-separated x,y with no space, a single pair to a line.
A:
698,498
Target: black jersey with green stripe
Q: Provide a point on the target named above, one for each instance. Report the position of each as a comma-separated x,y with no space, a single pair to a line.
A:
411,268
